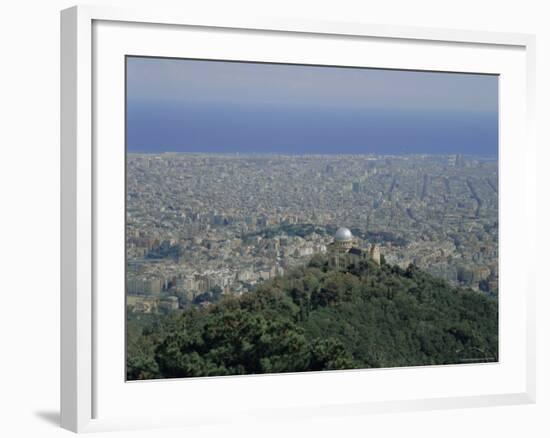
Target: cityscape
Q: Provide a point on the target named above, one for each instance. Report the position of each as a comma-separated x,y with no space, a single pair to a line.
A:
291,218
198,224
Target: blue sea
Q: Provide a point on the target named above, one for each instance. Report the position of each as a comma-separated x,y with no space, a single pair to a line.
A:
232,128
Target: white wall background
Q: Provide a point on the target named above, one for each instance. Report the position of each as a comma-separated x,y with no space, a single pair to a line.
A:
29,219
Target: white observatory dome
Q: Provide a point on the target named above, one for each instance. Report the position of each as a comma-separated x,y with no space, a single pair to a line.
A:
343,235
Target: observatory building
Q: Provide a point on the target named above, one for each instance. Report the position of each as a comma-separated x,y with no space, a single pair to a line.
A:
344,252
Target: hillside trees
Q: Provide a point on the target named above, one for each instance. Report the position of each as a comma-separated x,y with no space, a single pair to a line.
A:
316,318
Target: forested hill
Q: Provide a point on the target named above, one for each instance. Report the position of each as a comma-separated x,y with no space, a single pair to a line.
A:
316,318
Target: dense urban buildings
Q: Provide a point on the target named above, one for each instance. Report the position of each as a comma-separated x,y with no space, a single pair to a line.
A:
199,226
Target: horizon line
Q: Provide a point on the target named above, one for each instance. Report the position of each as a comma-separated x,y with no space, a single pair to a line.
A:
170,152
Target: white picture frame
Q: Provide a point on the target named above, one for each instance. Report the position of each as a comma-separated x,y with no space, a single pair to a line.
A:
88,369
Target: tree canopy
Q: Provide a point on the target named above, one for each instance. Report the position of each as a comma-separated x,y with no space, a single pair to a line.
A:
316,318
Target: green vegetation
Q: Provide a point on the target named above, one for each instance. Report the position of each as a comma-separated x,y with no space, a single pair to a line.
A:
316,318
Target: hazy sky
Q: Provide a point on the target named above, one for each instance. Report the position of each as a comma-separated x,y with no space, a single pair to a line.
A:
217,106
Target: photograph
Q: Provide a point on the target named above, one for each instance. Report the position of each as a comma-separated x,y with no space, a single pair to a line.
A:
285,218
275,219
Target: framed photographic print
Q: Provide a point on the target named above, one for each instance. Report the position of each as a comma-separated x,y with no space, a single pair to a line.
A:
254,209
